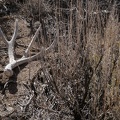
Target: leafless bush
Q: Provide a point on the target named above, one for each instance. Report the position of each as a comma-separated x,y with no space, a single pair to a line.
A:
85,68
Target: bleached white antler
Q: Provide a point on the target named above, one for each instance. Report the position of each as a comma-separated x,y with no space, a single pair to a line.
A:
25,58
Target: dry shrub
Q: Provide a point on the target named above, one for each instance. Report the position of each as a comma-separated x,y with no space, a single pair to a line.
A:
85,75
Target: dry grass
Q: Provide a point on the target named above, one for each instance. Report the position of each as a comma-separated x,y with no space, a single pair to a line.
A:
87,76
80,79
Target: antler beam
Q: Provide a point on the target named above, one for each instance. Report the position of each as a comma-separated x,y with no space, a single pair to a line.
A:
25,58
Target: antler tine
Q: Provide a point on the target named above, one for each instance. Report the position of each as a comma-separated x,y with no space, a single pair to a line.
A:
43,51
3,37
15,32
32,41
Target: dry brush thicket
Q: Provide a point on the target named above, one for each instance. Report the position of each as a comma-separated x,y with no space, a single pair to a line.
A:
80,79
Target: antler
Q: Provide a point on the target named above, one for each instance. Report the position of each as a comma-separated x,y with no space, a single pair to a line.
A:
25,58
